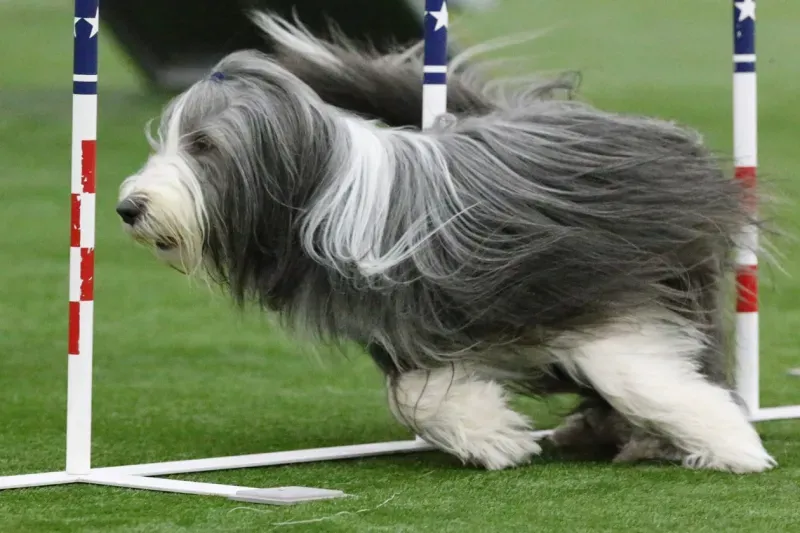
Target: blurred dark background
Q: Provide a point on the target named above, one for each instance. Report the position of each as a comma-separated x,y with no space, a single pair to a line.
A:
172,42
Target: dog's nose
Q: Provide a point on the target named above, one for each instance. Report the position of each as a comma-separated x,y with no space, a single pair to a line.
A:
129,211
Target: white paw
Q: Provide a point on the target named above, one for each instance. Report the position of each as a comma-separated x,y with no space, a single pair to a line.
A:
506,450
500,448
746,463
741,454
464,415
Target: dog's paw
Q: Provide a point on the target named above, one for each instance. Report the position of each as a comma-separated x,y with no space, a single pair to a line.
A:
648,448
505,442
506,448
592,427
464,415
573,432
747,463
739,451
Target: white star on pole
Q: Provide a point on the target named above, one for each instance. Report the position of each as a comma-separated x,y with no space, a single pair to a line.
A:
94,22
441,17
747,9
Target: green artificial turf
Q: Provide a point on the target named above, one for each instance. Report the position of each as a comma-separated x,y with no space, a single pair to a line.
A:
178,375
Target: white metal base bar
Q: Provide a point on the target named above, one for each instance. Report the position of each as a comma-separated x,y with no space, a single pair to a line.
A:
783,412
162,485
269,459
311,455
133,476
276,495
138,476
45,479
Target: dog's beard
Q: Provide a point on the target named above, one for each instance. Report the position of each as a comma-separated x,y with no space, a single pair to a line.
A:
171,221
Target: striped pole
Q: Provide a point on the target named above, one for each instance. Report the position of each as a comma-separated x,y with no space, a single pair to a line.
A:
81,257
745,149
434,81
434,70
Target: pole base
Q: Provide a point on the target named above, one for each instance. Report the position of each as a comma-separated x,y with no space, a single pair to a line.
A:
138,476
784,412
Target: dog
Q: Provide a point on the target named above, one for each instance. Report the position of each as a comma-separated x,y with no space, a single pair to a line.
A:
384,86
527,244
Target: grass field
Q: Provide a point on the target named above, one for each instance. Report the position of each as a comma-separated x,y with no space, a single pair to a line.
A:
177,375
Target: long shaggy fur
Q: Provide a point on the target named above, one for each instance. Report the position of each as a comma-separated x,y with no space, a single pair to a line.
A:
519,242
386,87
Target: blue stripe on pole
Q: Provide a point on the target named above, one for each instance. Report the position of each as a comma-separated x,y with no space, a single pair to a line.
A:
84,87
434,78
86,25
436,20
744,27
748,66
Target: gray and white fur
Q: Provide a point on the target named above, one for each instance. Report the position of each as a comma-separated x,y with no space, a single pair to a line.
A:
533,244
385,86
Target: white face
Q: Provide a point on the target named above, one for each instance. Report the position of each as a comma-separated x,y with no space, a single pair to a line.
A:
162,205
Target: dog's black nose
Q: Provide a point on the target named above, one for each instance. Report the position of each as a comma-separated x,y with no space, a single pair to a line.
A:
129,211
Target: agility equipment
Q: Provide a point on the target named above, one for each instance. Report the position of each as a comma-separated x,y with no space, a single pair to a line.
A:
81,306
81,294
745,152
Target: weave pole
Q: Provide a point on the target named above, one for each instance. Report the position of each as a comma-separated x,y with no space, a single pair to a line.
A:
434,76
82,236
434,70
745,150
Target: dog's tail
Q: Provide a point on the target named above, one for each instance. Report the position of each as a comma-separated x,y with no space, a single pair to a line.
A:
387,86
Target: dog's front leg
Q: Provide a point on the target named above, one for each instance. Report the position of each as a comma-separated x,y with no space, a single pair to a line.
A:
462,413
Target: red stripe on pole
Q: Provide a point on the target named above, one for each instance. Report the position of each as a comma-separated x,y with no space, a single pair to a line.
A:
87,274
747,292
747,177
74,328
75,222
88,165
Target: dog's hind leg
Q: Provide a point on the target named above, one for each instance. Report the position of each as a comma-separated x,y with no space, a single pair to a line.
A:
592,426
464,414
646,367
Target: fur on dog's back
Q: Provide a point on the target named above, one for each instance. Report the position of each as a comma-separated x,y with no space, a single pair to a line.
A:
583,193
586,205
557,213
386,86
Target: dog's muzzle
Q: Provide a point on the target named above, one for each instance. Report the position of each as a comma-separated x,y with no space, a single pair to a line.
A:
130,211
